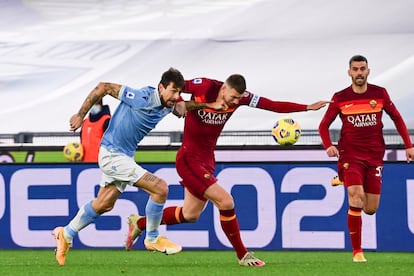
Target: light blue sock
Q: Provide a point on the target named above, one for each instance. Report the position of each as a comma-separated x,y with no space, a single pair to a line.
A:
85,216
153,211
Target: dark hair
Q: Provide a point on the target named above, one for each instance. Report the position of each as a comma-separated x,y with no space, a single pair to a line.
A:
357,58
237,82
174,76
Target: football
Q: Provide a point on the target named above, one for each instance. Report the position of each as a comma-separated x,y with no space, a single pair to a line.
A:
73,151
286,131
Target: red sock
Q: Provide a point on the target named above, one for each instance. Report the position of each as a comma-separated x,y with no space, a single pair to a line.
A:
230,226
171,215
355,228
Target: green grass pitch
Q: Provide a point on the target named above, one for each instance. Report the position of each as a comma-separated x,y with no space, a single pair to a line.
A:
188,262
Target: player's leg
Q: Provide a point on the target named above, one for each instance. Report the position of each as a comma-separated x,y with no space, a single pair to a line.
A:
371,199
371,203
173,215
134,231
189,212
158,190
372,189
353,175
355,200
86,215
230,225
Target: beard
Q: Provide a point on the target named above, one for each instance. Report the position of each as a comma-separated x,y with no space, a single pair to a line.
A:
167,103
358,81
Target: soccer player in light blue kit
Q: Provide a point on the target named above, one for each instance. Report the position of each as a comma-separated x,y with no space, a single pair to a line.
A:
137,114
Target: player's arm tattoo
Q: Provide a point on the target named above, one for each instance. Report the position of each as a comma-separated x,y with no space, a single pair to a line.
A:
112,89
97,94
190,105
218,105
90,100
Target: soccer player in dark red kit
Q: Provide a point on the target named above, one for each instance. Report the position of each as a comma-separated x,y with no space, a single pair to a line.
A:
361,145
195,160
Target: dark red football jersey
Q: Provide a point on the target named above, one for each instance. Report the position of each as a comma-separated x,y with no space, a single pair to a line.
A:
203,127
361,116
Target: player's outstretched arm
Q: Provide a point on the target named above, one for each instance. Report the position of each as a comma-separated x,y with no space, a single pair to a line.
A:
317,105
218,105
93,97
180,108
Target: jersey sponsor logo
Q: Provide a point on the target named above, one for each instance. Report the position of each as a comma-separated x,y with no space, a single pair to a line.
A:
213,118
348,105
362,120
254,101
197,81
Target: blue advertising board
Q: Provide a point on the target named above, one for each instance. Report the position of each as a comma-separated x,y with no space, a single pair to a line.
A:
280,206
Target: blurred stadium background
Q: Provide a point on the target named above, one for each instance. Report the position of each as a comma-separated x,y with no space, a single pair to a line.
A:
53,52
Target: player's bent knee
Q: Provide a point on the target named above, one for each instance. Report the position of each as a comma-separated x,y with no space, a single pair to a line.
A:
227,204
161,190
192,219
370,211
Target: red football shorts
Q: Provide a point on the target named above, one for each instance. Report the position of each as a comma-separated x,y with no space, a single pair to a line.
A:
197,174
356,172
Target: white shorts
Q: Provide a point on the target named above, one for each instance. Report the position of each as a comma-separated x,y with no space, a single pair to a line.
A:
118,169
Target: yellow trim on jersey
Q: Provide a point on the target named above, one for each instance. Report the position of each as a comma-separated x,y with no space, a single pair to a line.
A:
361,106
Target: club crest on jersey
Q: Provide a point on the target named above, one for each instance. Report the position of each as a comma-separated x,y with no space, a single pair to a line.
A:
197,81
373,103
130,95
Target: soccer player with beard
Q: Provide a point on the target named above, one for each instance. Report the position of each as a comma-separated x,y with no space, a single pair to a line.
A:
361,145
139,111
196,162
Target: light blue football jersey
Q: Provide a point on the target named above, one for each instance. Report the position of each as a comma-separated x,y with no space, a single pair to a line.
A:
138,113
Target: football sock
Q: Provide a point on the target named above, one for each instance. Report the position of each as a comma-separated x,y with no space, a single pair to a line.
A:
355,228
230,226
153,212
171,215
85,216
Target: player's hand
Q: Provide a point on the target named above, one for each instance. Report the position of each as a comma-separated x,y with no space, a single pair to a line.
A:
180,110
332,151
318,105
75,122
410,154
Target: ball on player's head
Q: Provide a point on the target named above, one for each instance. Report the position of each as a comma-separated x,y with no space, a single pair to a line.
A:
73,151
286,131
